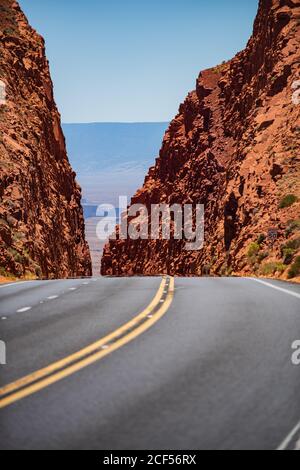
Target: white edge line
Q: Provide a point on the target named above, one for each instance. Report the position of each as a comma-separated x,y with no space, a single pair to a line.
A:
286,291
25,309
289,438
15,284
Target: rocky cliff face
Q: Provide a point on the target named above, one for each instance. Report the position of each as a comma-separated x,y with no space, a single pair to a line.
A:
41,221
234,147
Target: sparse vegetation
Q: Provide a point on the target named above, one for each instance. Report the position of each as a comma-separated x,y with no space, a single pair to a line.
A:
255,254
269,269
220,68
295,269
288,255
4,273
18,258
287,201
292,244
263,255
38,271
29,276
289,249
293,226
262,237
18,236
8,23
10,31
253,249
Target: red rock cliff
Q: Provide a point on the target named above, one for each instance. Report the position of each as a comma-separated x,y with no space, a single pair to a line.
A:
234,146
41,220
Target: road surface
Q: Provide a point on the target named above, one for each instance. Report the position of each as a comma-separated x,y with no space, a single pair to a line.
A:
204,365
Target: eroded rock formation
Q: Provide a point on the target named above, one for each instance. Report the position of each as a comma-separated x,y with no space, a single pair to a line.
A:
41,221
234,146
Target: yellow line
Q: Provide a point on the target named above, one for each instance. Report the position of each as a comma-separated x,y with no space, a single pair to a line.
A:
83,352
31,389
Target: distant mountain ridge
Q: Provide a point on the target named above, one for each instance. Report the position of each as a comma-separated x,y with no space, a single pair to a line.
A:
111,159
113,143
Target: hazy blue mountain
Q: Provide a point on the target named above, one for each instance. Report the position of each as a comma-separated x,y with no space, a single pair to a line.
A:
111,159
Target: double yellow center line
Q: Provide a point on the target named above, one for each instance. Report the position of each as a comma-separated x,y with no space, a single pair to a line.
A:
42,378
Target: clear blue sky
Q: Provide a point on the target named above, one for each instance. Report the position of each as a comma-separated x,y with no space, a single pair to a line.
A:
134,60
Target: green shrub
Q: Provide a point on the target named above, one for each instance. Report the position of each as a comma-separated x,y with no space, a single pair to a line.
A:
3,272
18,236
229,271
295,268
262,237
29,276
263,255
288,255
270,269
13,252
219,68
253,249
10,31
293,226
292,245
288,201
38,271
18,257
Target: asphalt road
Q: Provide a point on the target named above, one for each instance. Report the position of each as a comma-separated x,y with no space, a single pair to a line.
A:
212,370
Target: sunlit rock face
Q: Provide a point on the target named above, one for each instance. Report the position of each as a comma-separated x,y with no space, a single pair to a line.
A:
41,221
234,146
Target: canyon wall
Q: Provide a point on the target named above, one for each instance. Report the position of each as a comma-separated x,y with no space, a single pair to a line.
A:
41,219
234,147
